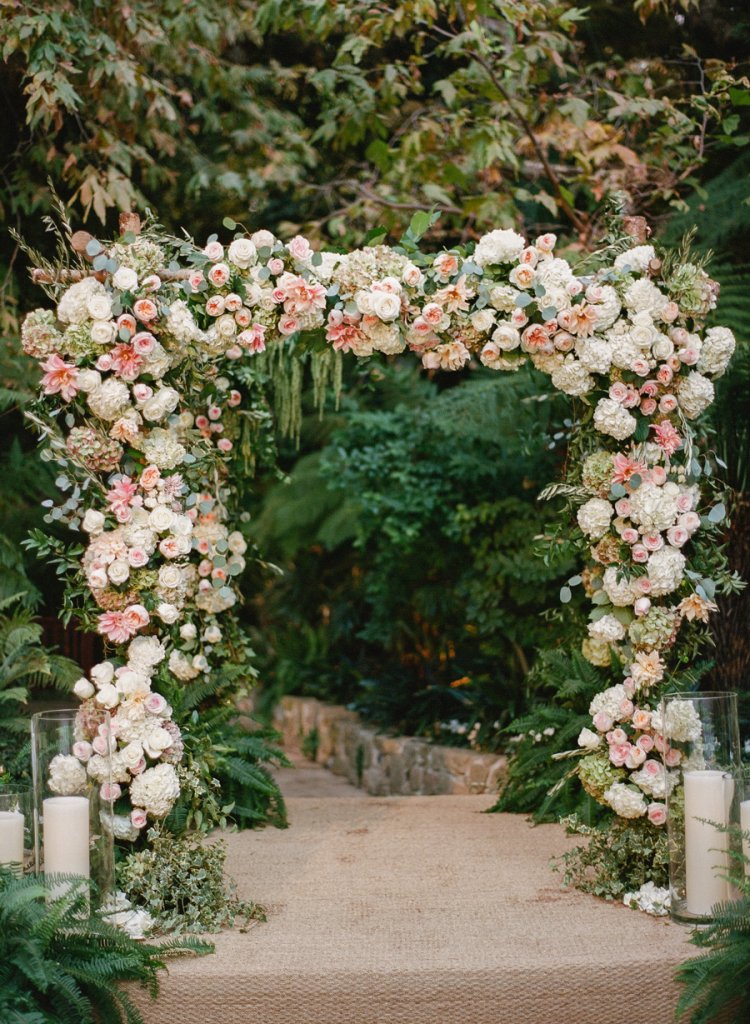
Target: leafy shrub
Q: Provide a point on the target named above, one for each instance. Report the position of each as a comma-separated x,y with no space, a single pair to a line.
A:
58,965
180,881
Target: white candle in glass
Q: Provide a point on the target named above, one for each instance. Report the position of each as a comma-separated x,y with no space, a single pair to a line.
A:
708,795
11,837
66,835
745,826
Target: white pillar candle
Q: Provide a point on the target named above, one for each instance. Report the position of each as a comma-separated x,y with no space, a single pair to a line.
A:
745,826
66,835
11,838
708,795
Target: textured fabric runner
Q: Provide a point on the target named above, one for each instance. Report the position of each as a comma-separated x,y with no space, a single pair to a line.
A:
421,910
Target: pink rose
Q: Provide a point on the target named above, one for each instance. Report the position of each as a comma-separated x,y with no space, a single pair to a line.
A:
224,444
145,310
214,251
670,312
196,279
657,813
546,243
623,507
529,255
602,721
665,374
641,367
679,336
685,503
432,314
100,746
234,352
688,356
152,283
299,248
138,817
523,276
639,553
214,412
170,547
137,558
618,755
632,398
136,616
138,767
144,342
658,475
218,275
629,535
626,709
648,406
641,719
82,750
518,318
653,769
564,342
650,389
642,606
568,320
690,520
126,322
215,305
677,536
155,703
446,264
617,737
287,325
618,391
243,317
643,584
204,567
234,398
636,757
110,791
667,404
672,757
150,477
275,266
653,541
232,303
646,742
104,362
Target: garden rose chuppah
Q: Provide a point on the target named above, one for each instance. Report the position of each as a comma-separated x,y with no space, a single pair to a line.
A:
150,368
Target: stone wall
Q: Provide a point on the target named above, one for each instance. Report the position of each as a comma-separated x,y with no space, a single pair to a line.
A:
383,765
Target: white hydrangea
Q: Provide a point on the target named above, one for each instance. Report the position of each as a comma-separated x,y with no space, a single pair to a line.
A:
717,349
554,273
501,246
572,378
611,418
73,307
636,260
120,826
108,769
650,898
181,325
624,350
654,779
642,296
594,517
144,652
681,724
694,393
607,303
155,790
619,591
67,776
162,448
625,801
109,400
607,628
666,570
608,701
595,354
654,508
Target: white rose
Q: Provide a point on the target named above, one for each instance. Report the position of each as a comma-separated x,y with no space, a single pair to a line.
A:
188,631
118,571
100,307
212,635
242,253
161,404
263,239
168,613
506,337
88,380
161,518
237,543
84,689
170,577
483,320
132,753
125,279
663,347
385,305
108,696
588,739
103,673
93,521
200,663
182,526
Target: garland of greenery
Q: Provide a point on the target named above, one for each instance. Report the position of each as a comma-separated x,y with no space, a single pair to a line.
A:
153,368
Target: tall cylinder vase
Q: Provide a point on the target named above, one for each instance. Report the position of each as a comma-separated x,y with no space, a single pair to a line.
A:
16,829
72,798
702,759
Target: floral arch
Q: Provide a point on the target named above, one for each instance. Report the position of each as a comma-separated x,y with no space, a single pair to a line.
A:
147,365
